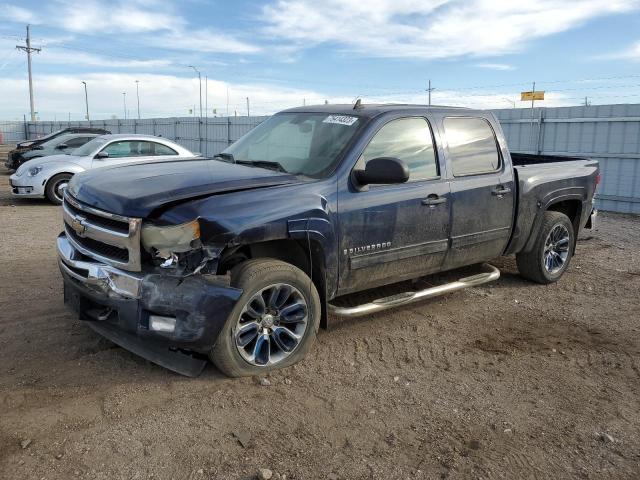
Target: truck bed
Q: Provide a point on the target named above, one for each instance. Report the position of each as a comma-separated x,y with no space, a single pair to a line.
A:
539,178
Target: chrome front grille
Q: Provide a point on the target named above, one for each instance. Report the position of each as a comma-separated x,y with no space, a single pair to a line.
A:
104,236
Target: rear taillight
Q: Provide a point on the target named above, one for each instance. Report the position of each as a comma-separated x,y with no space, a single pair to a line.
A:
598,178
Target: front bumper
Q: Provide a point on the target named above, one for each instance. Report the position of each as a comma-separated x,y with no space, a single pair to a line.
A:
25,186
119,305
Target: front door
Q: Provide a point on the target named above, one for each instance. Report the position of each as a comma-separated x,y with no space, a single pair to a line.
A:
394,232
482,192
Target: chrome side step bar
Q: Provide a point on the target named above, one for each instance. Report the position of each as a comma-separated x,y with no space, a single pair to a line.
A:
490,274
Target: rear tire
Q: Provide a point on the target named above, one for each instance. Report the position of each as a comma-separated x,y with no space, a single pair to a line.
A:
53,189
552,250
273,324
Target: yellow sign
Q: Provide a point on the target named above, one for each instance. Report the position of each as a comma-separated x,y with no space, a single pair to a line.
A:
528,96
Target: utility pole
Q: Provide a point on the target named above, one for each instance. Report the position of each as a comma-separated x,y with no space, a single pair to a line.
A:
124,102
429,90
206,96
29,49
533,96
86,101
248,114
200,83
138,97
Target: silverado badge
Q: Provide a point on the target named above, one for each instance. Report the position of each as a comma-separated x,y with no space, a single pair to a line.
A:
367,248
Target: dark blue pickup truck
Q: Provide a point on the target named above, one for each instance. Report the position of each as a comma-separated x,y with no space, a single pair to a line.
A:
241,258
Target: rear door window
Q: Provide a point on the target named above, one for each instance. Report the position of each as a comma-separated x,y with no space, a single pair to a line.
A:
472,146
163,150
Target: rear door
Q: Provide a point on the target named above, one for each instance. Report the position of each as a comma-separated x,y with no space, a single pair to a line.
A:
392,232
482,190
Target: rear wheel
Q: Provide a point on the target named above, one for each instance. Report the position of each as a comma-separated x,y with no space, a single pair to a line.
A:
274,323
551,253
55,187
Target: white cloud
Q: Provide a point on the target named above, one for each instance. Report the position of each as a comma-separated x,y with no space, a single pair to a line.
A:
495,66
204,40
74,58
16,14
430,28
168,96
630,53
160,95
156,23
90,16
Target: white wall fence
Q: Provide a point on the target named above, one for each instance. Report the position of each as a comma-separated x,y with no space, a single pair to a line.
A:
608,133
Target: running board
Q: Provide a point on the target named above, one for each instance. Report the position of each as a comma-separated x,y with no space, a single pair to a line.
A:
490,274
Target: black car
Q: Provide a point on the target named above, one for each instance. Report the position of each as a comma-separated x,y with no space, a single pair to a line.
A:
15,157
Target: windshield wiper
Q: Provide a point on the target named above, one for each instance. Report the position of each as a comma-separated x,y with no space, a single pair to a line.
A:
263,164
225,156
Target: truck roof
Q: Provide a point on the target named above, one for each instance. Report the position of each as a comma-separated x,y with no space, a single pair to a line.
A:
374,109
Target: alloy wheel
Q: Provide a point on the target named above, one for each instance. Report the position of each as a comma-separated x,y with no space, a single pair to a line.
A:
556,249
271,325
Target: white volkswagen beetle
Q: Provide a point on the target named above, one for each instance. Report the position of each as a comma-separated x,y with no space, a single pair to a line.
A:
48,176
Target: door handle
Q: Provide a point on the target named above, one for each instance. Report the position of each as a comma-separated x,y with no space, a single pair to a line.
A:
500,191
433,200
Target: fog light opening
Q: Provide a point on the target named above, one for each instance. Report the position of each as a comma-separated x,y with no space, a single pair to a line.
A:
158,323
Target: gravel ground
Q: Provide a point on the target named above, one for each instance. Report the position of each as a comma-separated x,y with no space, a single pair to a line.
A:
511,380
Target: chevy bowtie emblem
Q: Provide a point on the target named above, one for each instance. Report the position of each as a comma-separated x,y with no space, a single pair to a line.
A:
78,226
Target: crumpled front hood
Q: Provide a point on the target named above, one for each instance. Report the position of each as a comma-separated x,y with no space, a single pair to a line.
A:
136,190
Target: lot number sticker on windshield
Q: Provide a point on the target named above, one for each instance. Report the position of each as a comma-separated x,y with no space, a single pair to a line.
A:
341,119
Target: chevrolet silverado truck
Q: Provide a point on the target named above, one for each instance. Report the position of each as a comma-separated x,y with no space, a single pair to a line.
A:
239,259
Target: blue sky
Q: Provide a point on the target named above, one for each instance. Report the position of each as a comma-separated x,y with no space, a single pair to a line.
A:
281,53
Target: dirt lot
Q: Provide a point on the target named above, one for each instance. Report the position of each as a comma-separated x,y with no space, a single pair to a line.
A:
513,380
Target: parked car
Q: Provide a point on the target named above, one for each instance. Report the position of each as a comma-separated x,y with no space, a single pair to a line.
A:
15,156
48,176
62,144
242,259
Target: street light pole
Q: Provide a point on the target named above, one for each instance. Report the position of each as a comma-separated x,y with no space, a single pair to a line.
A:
138,97
124,100
200,83
86,99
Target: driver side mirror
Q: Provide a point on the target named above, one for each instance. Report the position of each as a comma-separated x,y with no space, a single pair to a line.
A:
383,170
102,154
62,146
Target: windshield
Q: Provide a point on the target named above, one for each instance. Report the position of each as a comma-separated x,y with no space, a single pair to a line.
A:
89,147
301,143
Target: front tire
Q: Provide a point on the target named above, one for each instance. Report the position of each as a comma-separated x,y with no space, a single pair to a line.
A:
273,324
552,251
55,187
